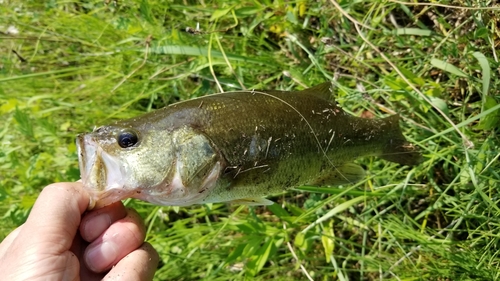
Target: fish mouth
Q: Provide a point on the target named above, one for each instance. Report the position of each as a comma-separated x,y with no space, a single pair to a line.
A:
101,173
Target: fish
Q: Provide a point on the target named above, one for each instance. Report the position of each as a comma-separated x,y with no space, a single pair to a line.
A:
235,147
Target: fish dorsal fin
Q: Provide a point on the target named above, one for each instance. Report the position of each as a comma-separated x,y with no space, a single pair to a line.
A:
323,91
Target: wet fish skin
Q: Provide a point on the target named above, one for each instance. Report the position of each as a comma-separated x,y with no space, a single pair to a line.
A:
236,147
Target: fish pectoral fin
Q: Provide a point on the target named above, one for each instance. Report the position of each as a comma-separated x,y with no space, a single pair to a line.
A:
348,173
252,201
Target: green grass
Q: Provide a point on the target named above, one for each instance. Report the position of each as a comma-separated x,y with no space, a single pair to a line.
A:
77,64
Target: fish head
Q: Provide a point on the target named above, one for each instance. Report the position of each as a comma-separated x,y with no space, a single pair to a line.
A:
119,162
177,167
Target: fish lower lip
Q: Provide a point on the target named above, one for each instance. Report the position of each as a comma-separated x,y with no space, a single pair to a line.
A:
87,157
80,145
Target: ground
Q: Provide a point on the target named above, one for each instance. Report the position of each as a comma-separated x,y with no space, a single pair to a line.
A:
67,66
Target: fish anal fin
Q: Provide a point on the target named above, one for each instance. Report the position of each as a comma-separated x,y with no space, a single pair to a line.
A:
348,173
252,201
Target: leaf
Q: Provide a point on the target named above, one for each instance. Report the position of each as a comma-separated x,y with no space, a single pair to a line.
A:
481,156
8,106
299,239
302,8
3,194
489,121
396,84
435,90
448,67
247,11
296,211
486,71
291,17
252,245
236,253
412,77
219,13
259,260
25,125
440,103
280,212
304,241
145,10
481,32
327,241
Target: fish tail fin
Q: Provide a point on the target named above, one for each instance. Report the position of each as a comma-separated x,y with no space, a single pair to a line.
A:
397,149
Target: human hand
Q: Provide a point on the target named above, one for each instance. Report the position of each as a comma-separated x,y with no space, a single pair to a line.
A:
57,243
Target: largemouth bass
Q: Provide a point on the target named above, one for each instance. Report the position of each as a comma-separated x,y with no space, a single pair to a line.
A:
235,147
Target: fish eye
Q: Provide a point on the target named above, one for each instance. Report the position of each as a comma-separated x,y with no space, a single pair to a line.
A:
127,139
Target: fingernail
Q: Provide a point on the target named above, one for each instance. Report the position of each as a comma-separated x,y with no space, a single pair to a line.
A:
101,256
97,225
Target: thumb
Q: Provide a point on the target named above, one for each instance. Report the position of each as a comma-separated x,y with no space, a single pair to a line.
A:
55,217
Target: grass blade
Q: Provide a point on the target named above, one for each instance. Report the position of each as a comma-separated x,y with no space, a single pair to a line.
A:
448,67
199,51
485,70
338,209
413,31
